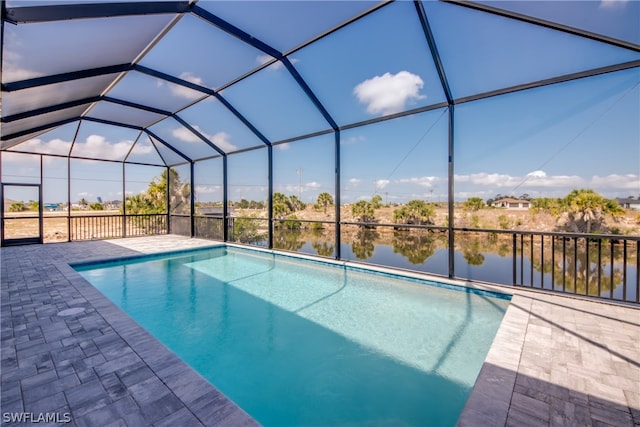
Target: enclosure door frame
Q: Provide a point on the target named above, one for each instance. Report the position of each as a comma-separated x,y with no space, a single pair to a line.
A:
24,240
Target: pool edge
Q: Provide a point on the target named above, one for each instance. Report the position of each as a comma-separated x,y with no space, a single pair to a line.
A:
208,404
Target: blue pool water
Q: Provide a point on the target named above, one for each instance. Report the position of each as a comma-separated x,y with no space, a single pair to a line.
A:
298,343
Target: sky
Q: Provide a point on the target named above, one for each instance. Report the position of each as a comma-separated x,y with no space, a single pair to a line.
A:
541,142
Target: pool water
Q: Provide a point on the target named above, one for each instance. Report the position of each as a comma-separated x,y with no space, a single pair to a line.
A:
296,342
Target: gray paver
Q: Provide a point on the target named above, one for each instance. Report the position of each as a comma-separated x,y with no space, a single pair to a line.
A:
578,364
84,361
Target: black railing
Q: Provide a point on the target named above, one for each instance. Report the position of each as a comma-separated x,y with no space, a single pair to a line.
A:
209,227
601,265
180,224
595,265
604,266
90,227
146,225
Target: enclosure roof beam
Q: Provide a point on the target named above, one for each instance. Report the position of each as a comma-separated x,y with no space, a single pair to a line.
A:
260,45
551,81
545,23
65,77
64,12
166,144
136,105
40,128
235,31
207,91
435,55
172,79
199,135
49,109
112,123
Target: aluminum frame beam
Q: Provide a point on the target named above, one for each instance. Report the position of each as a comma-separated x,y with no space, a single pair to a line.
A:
65,77
545,23
64,12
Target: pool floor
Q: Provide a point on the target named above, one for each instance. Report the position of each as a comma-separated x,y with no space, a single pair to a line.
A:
301,343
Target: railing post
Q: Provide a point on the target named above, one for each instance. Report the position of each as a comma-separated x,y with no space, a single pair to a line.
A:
515,264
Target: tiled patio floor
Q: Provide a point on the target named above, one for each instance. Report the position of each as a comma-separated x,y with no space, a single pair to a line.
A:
66,350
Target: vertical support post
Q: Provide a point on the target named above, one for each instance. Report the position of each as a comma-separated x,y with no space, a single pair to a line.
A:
553,262
68,199
541,261
40,203
225,200
450,197
270,195
1,185
73,143
192,199
338,238
168,200
514,268
433,48
124,200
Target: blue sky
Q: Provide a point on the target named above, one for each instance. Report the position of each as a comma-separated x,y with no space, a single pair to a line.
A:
541,142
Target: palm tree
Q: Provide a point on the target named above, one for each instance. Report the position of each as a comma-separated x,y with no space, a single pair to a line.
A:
325,199
363,211
415,212
586,210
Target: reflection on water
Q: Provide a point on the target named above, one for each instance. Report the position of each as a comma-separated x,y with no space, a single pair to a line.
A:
416,248
583,269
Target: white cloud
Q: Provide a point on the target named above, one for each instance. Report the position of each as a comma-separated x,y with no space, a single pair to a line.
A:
12,70
184,134
142,149
54,146
613,4
532,179
424,181
97,147
389,93
283,147
623,182
220,139
185,92
277,65
208,189
380,184
295,188
353,140
13,74
355,181
537,174
313,184
540,179
263,59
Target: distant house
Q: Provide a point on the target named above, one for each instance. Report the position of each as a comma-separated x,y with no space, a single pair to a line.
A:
629,203
511,203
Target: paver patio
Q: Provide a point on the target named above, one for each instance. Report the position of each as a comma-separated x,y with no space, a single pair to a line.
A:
67,350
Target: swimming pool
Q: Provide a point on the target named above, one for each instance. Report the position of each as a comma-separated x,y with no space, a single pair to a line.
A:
298,342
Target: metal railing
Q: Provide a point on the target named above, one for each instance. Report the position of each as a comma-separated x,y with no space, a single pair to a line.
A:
605,266
601,265
595,265
91,227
